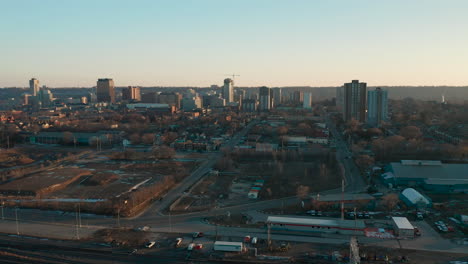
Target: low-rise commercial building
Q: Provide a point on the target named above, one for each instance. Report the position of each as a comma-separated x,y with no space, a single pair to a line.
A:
402,227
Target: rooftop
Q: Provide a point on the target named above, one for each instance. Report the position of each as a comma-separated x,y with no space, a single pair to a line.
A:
402,222
316,222
430,170
228,243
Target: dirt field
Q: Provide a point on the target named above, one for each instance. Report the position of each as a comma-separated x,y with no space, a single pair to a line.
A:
28,154
103,185
43,182
283,179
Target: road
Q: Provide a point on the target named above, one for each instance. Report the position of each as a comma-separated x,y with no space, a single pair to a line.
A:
353,179
158,207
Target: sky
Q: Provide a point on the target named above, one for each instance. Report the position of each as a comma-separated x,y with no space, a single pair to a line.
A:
66,43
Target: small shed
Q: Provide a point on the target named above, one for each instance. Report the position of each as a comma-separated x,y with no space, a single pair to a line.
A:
402,227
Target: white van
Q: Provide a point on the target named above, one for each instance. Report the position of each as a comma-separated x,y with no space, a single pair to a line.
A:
254,240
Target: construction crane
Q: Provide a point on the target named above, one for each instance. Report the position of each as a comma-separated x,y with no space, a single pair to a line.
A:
233,75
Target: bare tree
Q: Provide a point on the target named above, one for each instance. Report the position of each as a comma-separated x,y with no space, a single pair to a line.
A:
302,192
410,132
147,138
67,137
390,201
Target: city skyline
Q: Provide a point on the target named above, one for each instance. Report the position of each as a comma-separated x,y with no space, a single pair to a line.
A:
270,43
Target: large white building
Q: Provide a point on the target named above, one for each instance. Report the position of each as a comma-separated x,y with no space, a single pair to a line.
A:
377,106
228,90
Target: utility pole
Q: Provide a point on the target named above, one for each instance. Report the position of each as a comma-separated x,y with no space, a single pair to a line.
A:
17,224
77,230
79,214
342,199
118,216
3,205
170,222
355,220
268,234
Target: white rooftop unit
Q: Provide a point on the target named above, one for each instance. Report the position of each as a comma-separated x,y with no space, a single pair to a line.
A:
228,246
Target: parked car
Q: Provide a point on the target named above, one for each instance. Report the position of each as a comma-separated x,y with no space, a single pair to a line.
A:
191,246
350,215
366,215
311,212
416,231
150,244
197,234
254,240
419,216
319,213
178,242
198,246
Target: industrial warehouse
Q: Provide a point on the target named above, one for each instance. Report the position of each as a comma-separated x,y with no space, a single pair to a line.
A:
431,175
292,224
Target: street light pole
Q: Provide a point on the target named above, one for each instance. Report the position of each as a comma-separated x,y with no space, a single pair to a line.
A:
170,222
17,225
118,216
79,214
76,224
3,205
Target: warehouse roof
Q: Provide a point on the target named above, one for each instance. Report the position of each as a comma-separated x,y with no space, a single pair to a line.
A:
316,222
228,243
402,222
430,170
414,196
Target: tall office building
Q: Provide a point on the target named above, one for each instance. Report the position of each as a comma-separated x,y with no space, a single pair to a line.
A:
339,100
307,104
131,94
277,96
105,90
171,98
34,86
228,90
297,97
354,106
45,97
265,99
377,106
191,103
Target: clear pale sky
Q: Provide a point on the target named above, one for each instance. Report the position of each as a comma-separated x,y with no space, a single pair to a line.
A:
68,43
